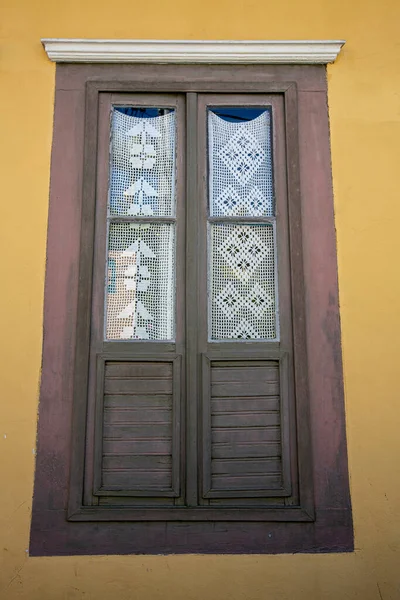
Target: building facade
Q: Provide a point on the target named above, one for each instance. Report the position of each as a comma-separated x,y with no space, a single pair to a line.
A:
363,91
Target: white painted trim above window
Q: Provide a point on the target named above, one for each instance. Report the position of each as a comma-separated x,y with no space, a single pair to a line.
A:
191,51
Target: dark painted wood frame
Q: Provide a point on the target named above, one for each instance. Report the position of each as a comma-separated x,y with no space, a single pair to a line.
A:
297,447
72,198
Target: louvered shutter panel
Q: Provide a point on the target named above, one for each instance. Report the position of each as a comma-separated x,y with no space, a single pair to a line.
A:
244,429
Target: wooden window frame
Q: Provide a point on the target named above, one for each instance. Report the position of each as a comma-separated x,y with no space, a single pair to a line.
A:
321,521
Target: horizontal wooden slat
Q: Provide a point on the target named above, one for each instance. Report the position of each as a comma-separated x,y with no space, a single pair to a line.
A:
138,415
245,419
245,450
247,501
245,403
137,401
242,434
248,373
242,482
154,430
138,447
246,466
134,501
138,386
127,461
131,479
245,388
138,369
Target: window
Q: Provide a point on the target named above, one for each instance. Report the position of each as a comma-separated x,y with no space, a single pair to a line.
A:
191,373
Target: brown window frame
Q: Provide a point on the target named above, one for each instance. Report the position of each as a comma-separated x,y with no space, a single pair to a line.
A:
320,519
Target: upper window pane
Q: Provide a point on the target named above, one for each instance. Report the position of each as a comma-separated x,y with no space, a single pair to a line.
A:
142,179
240,162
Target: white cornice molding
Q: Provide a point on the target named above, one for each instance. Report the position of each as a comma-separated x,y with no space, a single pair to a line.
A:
191,51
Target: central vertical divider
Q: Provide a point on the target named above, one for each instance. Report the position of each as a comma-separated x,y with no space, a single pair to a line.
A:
192,388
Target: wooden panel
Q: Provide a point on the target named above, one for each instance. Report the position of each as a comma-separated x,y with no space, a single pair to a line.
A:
259,465
137,401
129,461
245,403
138,427
138,447
243,452
245,419
134,431
233,435
137,415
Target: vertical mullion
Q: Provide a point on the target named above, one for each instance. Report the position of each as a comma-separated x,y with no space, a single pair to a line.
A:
191,301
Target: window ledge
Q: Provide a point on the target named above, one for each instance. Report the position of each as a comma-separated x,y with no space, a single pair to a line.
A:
193,51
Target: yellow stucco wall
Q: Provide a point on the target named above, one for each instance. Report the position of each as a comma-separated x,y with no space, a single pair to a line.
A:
364,100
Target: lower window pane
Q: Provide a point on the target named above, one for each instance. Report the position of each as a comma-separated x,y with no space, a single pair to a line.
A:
141,281
242,302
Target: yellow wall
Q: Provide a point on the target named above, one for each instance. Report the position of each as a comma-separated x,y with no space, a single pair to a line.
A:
364,101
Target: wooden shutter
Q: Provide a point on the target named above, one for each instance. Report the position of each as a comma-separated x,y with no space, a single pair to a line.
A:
245,439
247,431
134,422
138,427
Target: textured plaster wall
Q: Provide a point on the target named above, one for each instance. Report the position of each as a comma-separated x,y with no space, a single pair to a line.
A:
364,102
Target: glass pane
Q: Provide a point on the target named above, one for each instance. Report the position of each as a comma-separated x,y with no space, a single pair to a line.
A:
141,281
142,179
242,282
240,162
